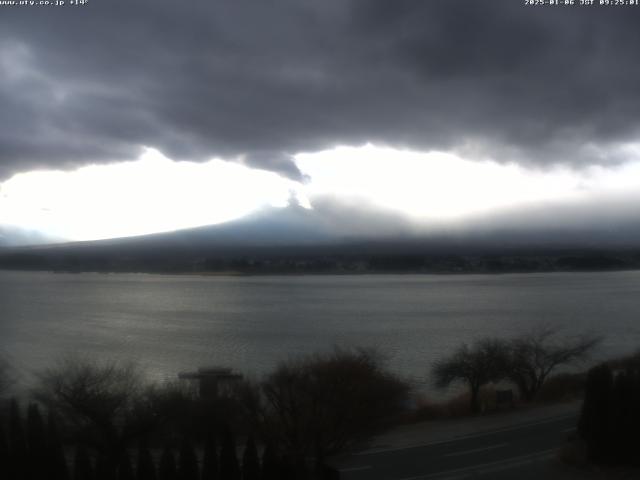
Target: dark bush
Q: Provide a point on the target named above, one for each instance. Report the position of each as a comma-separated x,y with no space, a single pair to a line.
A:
125,470
168,469
210,469
320,405
229,467
146,468
36,442
270,470
610,417
57,463
4,452
82,468
18,453
250,461
105,469
187,462
593,425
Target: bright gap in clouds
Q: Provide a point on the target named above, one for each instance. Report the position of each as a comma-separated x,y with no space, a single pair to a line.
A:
155,194
431,186
152,194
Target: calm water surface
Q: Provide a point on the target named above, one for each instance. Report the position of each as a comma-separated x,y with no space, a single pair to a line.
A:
173,323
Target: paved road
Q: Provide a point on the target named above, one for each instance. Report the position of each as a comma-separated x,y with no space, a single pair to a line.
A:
479,455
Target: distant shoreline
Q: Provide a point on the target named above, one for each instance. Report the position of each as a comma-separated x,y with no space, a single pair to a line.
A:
338,260
235,274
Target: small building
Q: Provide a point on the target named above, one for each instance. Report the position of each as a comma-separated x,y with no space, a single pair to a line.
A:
211,380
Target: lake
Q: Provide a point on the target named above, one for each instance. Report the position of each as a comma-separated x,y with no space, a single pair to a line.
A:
170,323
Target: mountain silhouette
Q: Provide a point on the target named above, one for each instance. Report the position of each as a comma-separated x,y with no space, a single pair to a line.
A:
329,239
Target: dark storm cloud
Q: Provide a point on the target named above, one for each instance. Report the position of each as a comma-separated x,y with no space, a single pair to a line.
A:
267,79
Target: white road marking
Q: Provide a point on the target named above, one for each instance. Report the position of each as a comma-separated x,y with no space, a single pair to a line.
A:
475,450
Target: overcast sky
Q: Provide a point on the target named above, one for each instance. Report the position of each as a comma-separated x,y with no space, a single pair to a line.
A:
290,90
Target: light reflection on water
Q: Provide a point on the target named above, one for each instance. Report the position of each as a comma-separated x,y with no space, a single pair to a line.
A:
173,323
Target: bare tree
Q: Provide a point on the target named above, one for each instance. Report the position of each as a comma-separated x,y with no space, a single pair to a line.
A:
98,398
483,362
322,404
535,355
